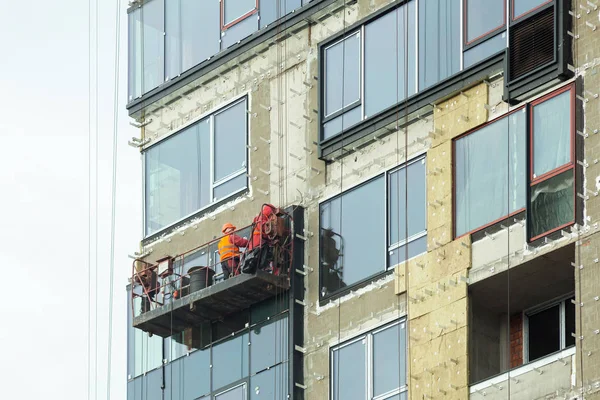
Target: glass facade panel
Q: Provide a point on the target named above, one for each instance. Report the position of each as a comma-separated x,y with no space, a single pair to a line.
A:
551,134
483,177
342,71
196,374
271,384
484,50
521,7
239,31
272,10
343,122
237,393
230,361
552,203
152,17
352,236
483,17
389,373
230,141
234,9
135,54
232,186
349,372
397,255
268,345
439,40
390,49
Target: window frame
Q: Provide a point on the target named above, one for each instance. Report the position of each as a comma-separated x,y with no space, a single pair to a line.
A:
558,170
226,25
515,18
207,116
487,35
369,362
476,129
422,155
561,302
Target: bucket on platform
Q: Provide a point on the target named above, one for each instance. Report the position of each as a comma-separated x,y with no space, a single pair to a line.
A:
200,278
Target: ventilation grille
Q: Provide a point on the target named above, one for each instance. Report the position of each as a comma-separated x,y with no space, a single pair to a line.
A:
532,43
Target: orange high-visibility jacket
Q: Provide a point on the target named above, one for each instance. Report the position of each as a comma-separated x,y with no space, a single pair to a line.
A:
229,246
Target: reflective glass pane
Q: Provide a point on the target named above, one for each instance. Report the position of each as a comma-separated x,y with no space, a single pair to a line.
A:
552,203
268,345
483,177
342,74
135,390
237,393
234,9
544,333
230,140
484,50
439,40
406,252
552,134
271,384
176,172
230,361
390,48
272,10
172,38
196,374
152,385
389,359
135,54
353,236
342,122
239,31
349,377
483,17
153,44
174,380
228,188
521,7
416,219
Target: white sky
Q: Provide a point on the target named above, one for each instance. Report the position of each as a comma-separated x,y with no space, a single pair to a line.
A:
44,200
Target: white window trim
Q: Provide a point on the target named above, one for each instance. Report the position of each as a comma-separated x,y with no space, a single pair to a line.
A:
367,338
244,392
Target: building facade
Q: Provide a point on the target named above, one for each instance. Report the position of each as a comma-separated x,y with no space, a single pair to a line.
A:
435,165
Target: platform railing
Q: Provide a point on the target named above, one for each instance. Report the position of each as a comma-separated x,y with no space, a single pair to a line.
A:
157,284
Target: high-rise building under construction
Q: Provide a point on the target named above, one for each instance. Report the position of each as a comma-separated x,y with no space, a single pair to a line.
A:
366,199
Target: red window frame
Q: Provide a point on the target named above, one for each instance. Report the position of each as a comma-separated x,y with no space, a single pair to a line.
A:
512,9
490,32
510,214
225,26
560,169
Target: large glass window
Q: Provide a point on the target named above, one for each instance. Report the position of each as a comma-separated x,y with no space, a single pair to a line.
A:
152,16
407,212
342,68
179,179
439,40
522,7
236,10
550,329
356,377
490,185
390,50
352,236
483,17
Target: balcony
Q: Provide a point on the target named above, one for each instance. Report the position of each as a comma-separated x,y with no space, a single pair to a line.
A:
190,289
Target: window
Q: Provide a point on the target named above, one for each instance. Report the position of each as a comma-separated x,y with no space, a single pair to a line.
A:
371,366
236,393
482,177
352,236
185,22
272,10
234,11
550,329
486,188
552,197
483,17
353,227
439,40
200,165
523,7
407,212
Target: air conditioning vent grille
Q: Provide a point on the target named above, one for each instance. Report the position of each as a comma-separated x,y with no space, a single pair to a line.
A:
532,43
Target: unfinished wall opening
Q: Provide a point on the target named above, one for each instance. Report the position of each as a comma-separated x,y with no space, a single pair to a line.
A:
522,315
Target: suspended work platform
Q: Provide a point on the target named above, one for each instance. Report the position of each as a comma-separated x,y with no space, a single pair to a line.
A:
212,303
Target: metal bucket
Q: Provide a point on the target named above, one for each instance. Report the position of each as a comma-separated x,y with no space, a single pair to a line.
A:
200,278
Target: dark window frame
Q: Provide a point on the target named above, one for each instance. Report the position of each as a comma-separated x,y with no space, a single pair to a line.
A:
561,169
226,25
481,38
534,10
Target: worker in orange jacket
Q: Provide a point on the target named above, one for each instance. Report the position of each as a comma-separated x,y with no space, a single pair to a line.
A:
229,250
